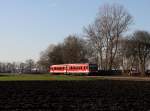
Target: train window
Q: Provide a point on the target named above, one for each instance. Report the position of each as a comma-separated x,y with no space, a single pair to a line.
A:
93,67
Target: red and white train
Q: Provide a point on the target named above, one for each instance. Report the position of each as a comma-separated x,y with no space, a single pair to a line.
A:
84,68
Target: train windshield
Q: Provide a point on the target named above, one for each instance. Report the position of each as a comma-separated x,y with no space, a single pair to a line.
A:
93,67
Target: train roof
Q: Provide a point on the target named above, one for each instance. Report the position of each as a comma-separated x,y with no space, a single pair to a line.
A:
75,64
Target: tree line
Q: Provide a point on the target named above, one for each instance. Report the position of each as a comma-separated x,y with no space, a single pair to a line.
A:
16,67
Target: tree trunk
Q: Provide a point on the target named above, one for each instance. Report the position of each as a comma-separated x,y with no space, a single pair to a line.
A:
142,69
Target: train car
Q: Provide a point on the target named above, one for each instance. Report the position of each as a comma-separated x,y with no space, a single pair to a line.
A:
61,68
84,68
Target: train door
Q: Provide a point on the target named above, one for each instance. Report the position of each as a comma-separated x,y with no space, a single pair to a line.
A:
93,67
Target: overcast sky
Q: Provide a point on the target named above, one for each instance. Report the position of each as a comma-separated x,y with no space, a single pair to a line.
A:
27,27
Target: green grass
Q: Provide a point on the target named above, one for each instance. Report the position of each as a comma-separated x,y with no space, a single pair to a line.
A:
42,77
49,77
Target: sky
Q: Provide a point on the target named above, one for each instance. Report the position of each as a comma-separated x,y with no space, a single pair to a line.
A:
28,27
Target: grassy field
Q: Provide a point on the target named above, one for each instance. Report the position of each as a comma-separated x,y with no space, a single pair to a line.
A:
43,77
49,77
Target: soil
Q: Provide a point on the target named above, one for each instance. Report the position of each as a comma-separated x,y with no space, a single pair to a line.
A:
75,95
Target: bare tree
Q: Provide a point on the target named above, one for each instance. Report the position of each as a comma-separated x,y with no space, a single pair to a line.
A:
56,55
22,67
112,21
29,65
44,61
95,41
128,57
141,47
74,50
